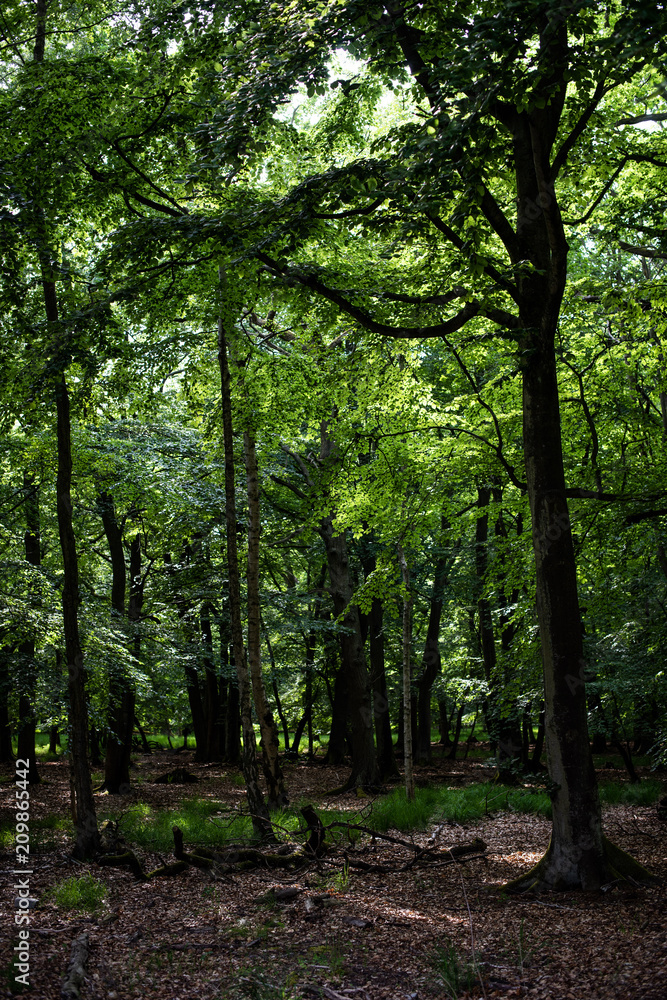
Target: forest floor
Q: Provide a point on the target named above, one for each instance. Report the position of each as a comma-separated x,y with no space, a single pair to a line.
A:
348,934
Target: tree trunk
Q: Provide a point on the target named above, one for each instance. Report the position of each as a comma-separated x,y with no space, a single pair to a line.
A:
229,692
578,854
269,732
337,745
431,663
214,743
6,750
258,811
87,835
443,723
375,625
407,678
457,733
353,658
83,803
120,708
26,728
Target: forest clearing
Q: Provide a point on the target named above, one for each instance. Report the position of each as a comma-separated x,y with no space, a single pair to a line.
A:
428,931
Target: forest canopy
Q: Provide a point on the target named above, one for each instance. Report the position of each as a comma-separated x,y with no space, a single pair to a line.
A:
334,396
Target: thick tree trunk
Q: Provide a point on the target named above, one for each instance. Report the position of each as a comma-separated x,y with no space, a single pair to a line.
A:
338,733
353,658
374,623
578,855
26,728
384,745
258,811
229,693
354,680
269,732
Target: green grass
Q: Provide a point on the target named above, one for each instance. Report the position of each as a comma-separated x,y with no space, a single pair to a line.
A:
455,975
202,822
646,793
199,819
457,805
84,893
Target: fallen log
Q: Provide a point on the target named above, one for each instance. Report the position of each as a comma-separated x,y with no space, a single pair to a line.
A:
76,971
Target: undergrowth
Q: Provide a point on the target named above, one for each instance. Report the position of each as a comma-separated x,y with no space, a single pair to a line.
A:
83,893
202,822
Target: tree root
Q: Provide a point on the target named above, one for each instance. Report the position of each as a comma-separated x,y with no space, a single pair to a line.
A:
616,866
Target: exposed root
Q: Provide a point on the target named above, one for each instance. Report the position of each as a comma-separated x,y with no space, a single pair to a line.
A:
616,866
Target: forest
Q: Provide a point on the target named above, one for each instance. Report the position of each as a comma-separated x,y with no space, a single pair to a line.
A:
333,516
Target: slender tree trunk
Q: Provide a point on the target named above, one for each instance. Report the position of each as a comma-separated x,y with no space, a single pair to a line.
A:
120,709
270,743
87,834
407,678
457,732
83,802
431,663
256,804
229,692
6,750
26,729
214,743
443,723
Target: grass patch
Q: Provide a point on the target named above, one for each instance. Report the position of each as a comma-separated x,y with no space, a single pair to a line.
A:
457,805
83,893
199,819
646,793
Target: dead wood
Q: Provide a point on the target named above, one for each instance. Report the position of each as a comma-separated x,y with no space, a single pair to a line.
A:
129,858
315,843
198,860
76,971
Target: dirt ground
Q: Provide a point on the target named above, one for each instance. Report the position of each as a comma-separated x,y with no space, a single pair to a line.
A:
347,934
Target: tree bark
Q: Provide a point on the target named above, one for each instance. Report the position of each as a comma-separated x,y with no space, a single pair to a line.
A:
83,802
576,853
26,729
353,658
407,678
258,811
213,749
6,750
374,622
269,732
431,663
120,707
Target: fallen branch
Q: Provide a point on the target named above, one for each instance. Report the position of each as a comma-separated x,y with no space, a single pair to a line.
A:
76,971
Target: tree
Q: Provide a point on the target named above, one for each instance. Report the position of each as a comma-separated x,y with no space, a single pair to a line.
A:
502,97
